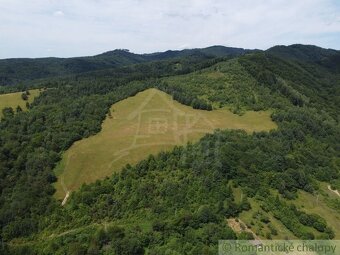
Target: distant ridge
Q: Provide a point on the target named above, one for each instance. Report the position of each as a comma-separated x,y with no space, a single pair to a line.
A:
17,70
20,70
328,58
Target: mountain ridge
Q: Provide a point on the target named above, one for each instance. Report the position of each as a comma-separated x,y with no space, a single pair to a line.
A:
17,70
14,71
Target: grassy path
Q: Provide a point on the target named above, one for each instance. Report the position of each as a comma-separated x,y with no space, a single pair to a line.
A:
334,191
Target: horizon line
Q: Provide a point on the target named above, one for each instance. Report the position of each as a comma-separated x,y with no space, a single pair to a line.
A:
156,52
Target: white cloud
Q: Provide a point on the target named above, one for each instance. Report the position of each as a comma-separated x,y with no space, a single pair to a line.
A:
94,26
58,13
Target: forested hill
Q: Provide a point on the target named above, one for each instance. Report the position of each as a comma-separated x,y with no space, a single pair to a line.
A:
303,73
328,58
13,71
178,202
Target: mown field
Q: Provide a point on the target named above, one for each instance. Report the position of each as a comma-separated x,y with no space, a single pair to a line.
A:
14,100
145,124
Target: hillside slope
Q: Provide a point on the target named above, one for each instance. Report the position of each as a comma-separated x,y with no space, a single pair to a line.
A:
148,123
14,71
179,202
15,100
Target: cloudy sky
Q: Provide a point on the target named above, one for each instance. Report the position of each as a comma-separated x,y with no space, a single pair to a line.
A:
64,28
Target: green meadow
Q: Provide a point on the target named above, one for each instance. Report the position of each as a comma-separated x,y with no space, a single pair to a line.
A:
147,123
317,203
14,100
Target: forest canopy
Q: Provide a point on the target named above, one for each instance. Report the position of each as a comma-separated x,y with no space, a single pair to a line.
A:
176,202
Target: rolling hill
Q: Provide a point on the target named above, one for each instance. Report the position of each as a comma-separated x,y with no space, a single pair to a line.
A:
328,58
148,123
16,71
281,183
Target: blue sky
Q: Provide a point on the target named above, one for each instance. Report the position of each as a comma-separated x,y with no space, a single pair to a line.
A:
65,28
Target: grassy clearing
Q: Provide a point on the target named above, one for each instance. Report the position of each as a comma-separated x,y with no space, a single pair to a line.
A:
309,203
252,219
317,204
225,84
145,124
14,100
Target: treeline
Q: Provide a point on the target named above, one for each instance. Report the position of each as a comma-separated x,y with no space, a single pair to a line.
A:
183,203
305,83
176,202
31,142
297,221
30,146
196,103
184,196
226,84
184,97
126,73
15,71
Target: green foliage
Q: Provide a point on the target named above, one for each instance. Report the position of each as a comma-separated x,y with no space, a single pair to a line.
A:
294,219
224,84
176,202
24,96
245,236
16,71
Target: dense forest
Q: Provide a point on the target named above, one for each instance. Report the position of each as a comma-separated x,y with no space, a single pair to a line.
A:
23,71
176,202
